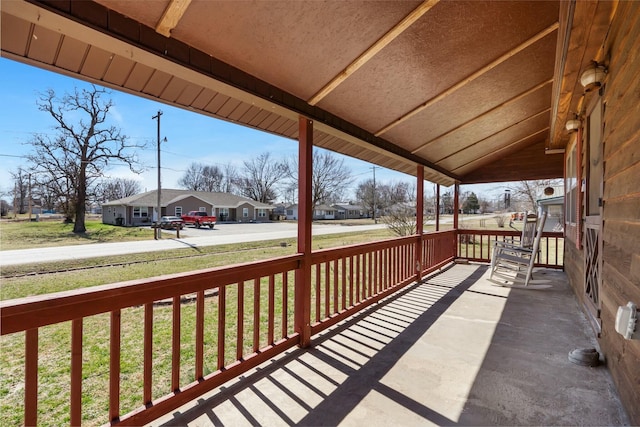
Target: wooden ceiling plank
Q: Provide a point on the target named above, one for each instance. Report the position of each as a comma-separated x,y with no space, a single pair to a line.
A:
490,66
496,154
171,16
504,104
466,147
389,36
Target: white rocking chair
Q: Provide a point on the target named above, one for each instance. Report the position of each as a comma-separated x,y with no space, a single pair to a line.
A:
512,264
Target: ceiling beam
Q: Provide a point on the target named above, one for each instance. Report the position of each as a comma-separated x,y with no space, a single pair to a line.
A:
493,64
391,35
171,16
468,122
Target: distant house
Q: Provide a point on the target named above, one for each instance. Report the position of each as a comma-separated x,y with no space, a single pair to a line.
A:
319,212
347,211
279,212
140,209
324,212
291,212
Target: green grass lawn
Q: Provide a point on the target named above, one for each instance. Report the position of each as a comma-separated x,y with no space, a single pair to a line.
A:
25,234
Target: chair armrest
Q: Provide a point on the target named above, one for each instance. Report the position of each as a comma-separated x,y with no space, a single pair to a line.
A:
506,244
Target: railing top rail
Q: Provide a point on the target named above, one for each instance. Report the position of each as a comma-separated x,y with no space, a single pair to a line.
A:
558,234
349,250
31,312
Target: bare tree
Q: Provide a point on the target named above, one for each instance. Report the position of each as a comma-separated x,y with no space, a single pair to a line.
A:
329,177
201,177
71,161
4,207
401,220
20,190
117,188
231,180
260,177
394,193
527,192
446,202
368,195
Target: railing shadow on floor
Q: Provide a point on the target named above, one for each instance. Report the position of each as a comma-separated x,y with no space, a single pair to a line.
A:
322,384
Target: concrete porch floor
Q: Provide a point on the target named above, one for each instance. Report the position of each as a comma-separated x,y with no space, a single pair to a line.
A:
452,350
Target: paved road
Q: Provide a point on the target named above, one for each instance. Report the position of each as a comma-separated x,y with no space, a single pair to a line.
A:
190,237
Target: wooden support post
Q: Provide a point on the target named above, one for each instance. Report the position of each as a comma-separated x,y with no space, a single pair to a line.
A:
456,205
438,207
303,274
456,210
419,220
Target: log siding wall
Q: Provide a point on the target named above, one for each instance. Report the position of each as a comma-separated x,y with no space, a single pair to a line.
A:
621,208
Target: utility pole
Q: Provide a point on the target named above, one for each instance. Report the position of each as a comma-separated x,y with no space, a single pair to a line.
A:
30,200
15,199
158,233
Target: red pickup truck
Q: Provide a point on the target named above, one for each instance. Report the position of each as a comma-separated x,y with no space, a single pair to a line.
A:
199,218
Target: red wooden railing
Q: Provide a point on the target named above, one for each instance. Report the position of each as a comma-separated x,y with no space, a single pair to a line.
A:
346,280
244,315
476,245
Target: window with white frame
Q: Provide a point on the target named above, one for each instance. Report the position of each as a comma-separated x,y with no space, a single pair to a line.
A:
202,209
571,186
245,212
262,213
140,212
178,211
594,164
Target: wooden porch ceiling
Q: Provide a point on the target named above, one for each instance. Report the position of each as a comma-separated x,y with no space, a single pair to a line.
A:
474,90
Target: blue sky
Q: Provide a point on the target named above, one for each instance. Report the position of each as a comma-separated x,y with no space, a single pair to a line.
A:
190,137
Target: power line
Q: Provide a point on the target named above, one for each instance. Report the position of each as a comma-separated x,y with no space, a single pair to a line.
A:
13,155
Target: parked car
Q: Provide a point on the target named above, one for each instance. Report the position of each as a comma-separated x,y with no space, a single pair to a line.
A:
199,218
171,223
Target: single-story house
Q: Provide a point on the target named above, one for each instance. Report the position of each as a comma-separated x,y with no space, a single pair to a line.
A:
319,212
292,212
347,211
324,212
140,209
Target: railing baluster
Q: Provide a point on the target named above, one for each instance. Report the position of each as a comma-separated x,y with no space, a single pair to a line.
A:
285,304
148,354
222,309
256,314
336,306
114,366
344,283
327,290
76,372
175,345
318,294
350,281
369,274
272,310
378,270
199,371
358,296
240,322
31,378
